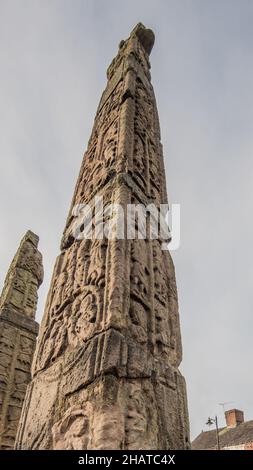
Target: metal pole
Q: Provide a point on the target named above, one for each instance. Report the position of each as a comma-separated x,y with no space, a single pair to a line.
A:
217,433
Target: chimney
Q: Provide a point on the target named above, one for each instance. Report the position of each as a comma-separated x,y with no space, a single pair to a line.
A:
234,417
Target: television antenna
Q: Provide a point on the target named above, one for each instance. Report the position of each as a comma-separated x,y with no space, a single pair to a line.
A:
224,404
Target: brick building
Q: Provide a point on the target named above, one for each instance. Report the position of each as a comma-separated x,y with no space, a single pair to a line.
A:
236,435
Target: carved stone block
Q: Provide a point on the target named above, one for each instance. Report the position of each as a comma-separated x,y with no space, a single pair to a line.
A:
105,371
18,332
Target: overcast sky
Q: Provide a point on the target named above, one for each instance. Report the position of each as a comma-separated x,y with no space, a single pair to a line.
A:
53,60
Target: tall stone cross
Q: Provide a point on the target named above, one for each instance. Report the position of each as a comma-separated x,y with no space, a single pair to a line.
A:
18,331
105,373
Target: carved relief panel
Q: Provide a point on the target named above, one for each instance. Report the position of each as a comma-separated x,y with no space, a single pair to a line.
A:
109,345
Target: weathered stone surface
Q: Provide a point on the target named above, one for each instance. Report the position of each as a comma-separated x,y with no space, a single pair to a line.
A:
105,373
18,332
